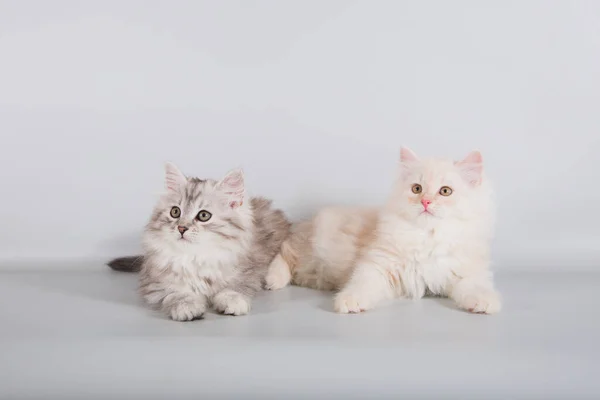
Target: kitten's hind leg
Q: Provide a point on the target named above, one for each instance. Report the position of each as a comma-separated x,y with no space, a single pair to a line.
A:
279,274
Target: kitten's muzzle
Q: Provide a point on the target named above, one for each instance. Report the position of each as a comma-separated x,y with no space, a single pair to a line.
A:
426,203
182,230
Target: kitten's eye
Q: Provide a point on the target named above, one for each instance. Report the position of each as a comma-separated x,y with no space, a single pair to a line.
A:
416,188
203,216
445,191
175,212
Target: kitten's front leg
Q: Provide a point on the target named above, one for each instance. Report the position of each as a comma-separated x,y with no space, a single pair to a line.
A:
368,285
231,302
175,300
184,307
476,294
236,298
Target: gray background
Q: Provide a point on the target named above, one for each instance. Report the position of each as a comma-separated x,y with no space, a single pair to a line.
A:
313,99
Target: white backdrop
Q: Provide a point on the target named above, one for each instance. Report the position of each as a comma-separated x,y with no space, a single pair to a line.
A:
312,98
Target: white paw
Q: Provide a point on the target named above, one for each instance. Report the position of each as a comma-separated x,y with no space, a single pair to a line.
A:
231,303
346,302
279,274
187,311
275,280
481,302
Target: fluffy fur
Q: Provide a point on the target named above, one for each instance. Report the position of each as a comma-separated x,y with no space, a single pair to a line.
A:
420,242
189,263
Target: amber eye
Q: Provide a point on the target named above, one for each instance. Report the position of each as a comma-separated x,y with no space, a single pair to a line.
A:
416,188
445,191
203,216
175,212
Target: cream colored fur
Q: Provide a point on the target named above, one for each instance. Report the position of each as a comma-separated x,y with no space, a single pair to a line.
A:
399,250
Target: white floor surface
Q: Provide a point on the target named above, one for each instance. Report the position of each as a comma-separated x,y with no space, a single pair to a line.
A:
83,334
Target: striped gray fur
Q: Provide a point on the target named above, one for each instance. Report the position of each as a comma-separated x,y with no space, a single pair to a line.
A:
221,262
127,264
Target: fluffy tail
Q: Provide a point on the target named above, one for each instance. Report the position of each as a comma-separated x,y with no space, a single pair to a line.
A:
127,264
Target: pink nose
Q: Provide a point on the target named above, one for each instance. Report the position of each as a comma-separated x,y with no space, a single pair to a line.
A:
425,203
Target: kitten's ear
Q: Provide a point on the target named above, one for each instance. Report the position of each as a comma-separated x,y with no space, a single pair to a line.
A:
471,167
233,187
174,178
407,155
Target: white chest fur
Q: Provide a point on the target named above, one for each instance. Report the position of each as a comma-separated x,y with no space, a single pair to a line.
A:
204,275
425,259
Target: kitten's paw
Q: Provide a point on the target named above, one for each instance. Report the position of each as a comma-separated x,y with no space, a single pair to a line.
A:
279,274
481,302
275,281
345,303
231,303
187,311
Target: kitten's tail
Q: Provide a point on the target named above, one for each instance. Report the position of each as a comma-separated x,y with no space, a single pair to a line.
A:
127,264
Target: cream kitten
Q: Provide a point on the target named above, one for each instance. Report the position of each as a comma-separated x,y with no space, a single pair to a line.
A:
431,237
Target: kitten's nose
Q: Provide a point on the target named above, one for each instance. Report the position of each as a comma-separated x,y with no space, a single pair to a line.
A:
425,203
182,229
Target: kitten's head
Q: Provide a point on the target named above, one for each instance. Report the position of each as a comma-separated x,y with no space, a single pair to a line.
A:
196,214
434,189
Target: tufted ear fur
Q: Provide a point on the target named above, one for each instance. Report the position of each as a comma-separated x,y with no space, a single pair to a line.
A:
407,155
407,158
233,187
471,167
174,178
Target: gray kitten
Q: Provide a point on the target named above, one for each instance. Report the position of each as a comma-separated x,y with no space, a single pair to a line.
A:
205,244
